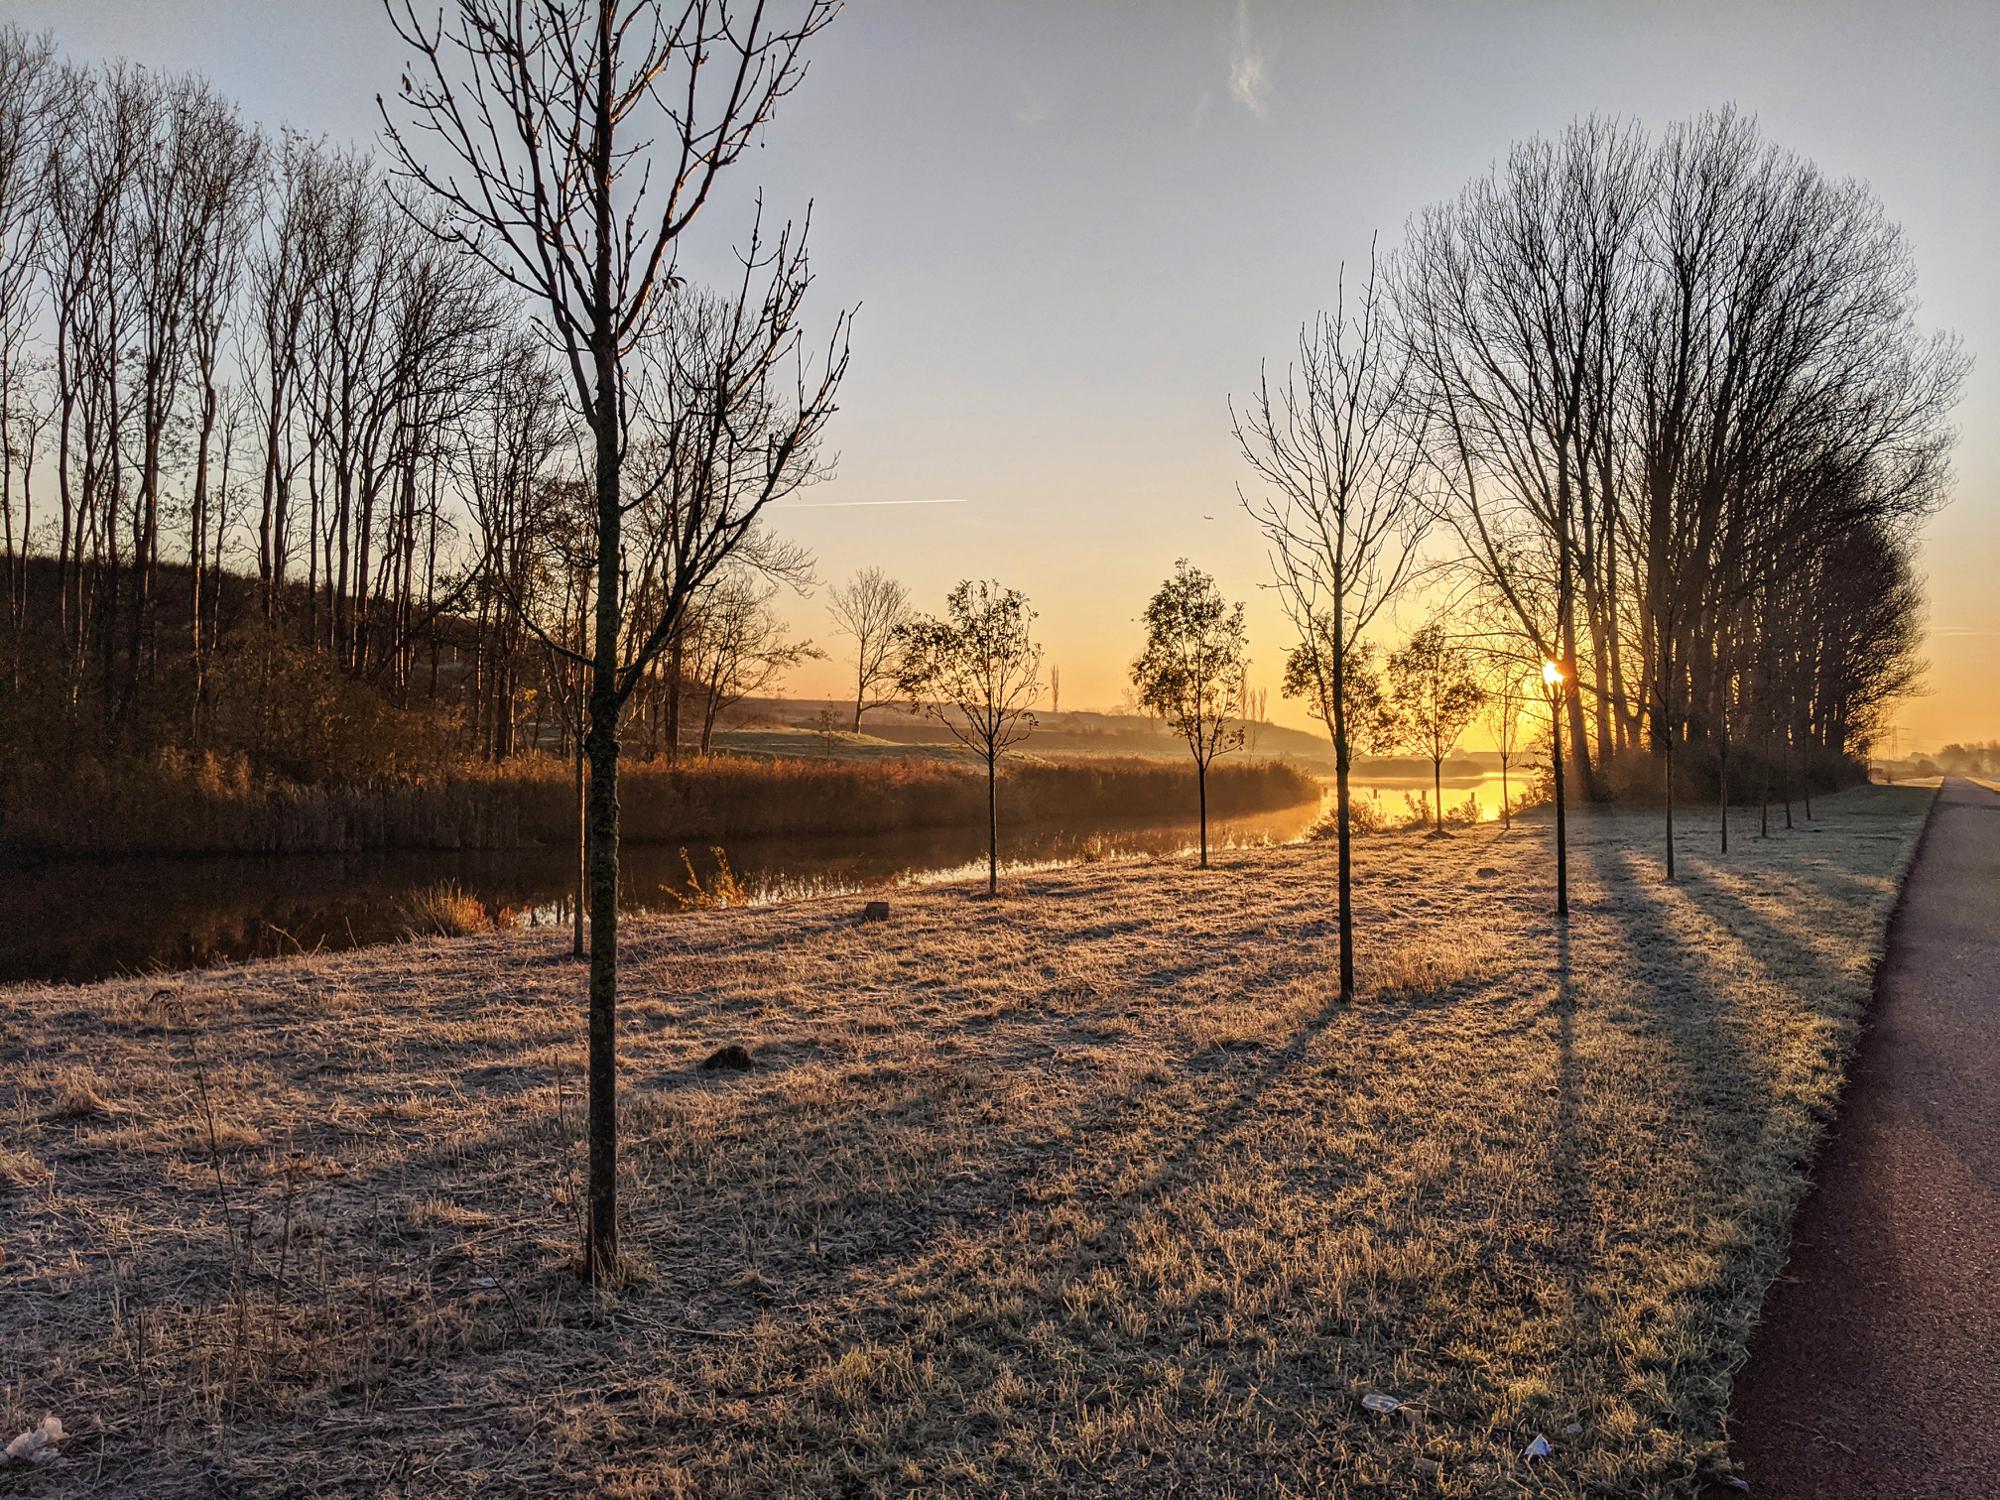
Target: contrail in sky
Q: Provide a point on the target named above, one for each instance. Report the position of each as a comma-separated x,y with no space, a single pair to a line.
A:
850,504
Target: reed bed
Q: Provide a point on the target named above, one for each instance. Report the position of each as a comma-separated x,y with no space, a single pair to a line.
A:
176,804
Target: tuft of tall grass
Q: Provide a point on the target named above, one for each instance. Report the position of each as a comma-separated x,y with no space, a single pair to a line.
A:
444,910
721,890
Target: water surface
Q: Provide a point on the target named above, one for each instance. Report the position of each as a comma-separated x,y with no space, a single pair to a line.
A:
78,920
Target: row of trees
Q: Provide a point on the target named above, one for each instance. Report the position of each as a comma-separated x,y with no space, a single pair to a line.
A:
977,671
1666,400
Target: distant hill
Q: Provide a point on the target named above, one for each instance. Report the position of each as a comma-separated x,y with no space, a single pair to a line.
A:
1072,733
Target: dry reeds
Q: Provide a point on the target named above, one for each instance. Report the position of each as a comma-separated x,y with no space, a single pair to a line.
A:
180,804
444,909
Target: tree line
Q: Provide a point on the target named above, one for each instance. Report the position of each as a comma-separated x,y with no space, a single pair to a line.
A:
1653,410
277,455
1674,406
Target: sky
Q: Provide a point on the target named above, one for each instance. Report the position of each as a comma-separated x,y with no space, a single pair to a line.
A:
1071,231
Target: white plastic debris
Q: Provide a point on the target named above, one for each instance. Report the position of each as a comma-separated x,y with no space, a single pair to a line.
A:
1376,1401
1539,1448
38,1445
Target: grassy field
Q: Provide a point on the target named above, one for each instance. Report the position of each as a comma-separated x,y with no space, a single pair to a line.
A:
1088,1190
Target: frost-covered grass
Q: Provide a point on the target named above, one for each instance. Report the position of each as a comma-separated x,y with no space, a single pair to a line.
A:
1087,1190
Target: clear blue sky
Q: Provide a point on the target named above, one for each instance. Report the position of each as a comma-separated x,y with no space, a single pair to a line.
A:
1074,229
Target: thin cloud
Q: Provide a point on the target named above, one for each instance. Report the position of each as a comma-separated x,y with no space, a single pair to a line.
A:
1248,80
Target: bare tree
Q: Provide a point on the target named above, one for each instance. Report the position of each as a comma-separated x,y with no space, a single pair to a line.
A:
1661,377
1509,297
869,609
977,671
537,129
1334,449
227,172
284,270
27,100
1191,670
737,646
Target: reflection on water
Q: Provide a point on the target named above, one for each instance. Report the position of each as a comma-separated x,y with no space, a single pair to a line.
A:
1398,798
89,919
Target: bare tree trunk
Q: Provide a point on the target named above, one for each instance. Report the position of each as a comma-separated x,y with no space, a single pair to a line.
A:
1724,779
1669,780
1664,725
992,825
1344,834
1201,794
1437,792
1764,792
582,851
601,1248
676,661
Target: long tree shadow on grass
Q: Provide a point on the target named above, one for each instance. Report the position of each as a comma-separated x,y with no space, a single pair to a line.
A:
1737,1135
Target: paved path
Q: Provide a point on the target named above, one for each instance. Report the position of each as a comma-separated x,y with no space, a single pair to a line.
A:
1876,1371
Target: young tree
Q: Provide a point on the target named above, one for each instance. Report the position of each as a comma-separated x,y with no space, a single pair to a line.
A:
1369,717
1437,696
868,609
534,129
977,671
1504,708
1191,671
1342,514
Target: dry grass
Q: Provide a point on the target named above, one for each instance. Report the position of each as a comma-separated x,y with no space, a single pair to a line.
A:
178,804
1087,1190
445,909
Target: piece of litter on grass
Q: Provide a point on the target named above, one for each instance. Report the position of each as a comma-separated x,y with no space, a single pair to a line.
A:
1376,1401
1574,1429
38,1445
485,1281
1539,1448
